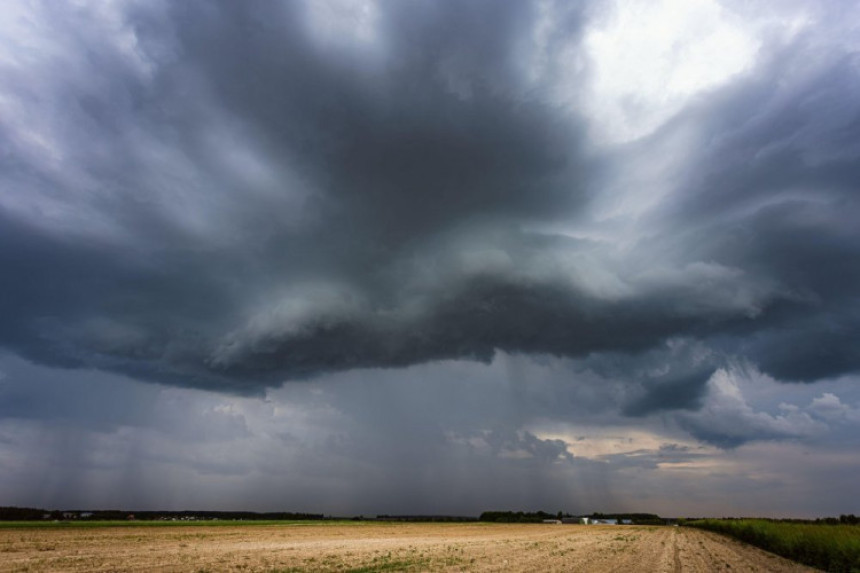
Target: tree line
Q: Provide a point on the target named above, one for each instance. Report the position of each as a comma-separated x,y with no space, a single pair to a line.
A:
31,514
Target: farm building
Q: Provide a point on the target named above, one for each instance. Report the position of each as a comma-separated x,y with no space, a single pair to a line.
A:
593,521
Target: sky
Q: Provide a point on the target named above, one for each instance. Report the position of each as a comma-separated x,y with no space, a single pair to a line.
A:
431,257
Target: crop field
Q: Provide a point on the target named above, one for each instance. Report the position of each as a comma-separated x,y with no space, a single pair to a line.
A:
367,546
829,547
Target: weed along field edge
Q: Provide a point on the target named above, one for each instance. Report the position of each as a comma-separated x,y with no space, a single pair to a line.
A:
375,546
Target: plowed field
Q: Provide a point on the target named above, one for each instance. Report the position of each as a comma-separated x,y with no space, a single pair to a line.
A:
380,547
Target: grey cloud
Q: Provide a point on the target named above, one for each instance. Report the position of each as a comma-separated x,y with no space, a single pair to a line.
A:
94,401
244,199
517,444
727,420
671,377
830,407
670,394
454,437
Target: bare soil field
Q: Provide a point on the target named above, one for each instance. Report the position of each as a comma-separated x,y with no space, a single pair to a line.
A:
365,547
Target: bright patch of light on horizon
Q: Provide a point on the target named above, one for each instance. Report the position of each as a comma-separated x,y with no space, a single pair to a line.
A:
649,58
602,442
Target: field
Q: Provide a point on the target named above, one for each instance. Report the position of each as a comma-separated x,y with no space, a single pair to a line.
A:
830,547
366,547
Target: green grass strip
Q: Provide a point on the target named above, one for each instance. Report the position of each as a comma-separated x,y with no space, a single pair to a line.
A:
834,548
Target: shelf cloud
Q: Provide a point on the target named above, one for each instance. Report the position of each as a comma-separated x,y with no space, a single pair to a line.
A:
236,196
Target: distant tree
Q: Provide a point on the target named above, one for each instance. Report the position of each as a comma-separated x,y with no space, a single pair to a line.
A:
21,513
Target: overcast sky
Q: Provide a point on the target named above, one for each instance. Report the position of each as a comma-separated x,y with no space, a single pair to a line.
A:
348,256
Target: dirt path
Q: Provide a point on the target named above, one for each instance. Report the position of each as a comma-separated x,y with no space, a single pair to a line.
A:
381,547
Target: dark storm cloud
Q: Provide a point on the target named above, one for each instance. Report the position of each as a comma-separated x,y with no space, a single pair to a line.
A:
442,133
775,194
229,195
393,157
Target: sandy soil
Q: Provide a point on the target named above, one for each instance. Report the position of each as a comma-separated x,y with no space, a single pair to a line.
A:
381,547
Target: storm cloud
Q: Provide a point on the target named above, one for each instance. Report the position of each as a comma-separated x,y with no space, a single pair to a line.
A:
642,206
233,196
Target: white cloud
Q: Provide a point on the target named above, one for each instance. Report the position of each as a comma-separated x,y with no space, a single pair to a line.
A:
829,407
650,58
